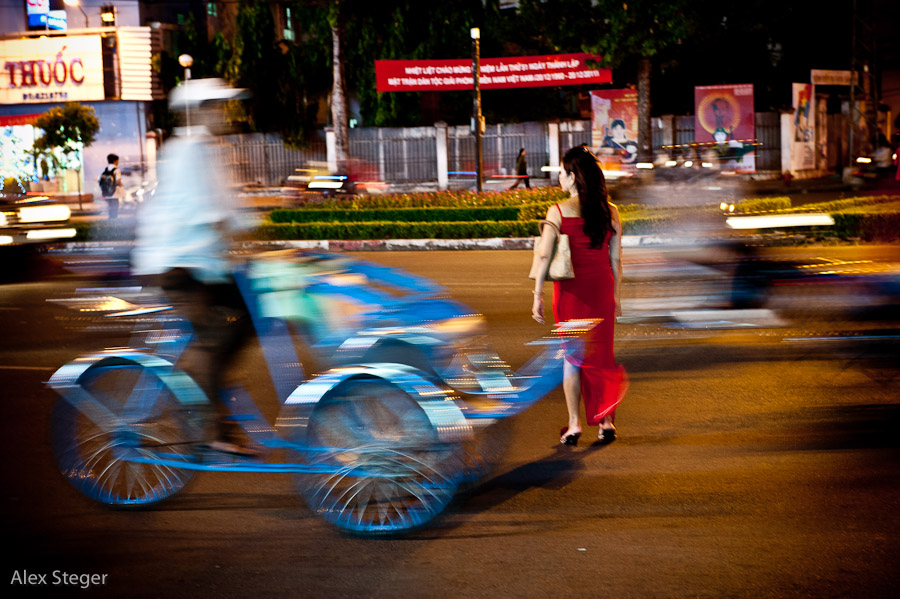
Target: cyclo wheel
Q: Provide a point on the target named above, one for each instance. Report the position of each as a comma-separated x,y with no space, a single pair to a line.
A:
379,467
131,465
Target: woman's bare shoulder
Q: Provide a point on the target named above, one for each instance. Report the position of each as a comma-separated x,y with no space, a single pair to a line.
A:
553,215
613,211
571,208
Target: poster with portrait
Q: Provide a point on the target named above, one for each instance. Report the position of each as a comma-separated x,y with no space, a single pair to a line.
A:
803,127
614,127
724,125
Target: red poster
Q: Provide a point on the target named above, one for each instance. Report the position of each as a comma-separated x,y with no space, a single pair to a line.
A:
614,125
496,73
724,125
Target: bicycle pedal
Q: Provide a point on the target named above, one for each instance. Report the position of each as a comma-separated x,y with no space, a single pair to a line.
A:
214,451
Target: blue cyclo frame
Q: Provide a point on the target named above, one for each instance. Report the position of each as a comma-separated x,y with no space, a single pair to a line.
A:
379,441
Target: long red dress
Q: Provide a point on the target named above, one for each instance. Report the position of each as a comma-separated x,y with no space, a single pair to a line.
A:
591,294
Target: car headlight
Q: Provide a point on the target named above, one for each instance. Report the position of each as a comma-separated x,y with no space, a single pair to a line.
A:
3,220
43,214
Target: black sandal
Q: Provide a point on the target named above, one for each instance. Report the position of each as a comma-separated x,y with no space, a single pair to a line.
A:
606,435
566,439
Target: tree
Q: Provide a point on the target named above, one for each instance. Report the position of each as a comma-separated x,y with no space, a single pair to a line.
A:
641,29
339,120
69,128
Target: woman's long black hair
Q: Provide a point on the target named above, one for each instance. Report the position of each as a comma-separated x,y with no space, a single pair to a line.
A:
592,196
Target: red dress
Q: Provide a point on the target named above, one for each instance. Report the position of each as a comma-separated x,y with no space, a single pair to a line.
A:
591,294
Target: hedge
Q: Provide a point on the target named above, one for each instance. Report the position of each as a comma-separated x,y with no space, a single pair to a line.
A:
446,199
397,230
107,230
846,204
871,226
396,215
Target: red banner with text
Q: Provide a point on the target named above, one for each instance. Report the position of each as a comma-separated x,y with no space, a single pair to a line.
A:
496,73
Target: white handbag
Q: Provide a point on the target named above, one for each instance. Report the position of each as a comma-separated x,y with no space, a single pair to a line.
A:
561,259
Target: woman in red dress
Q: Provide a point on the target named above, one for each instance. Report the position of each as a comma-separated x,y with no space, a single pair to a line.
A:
595,236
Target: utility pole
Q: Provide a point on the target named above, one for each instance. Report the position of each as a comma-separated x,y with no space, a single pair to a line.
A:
863,82
477,119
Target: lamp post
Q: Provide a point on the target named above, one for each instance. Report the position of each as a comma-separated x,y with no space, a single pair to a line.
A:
476,101
186,60
81,8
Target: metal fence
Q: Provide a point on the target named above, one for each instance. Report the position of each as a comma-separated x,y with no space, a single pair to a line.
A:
573,133
394,154
409,154
767,130
768,136
500,147
263,158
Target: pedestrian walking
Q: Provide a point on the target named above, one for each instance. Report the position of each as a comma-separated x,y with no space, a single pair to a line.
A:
521,170
595,236
110,186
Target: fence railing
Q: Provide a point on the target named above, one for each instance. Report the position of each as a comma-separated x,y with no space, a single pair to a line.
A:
263,158
409,154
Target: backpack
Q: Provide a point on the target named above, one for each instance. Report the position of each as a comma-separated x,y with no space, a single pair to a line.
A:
108,182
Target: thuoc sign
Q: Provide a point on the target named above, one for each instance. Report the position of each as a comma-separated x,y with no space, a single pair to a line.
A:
61,69
496,73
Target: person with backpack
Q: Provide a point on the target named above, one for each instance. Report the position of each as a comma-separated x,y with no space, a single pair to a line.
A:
109,184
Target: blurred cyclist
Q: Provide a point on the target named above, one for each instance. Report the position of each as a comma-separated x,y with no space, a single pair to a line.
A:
183,237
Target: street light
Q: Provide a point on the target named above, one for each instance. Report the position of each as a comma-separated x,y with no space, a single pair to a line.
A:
476,100
108,15
186,60
78,4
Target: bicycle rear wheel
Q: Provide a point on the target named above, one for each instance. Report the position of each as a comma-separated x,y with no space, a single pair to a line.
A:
379,467
134,463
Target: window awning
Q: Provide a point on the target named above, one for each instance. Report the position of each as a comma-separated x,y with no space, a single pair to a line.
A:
17,119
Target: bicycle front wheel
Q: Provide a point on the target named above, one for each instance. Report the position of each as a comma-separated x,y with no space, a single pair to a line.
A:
135,462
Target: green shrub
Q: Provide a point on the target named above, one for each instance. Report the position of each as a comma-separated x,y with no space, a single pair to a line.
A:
846,204
396,215
397,230
874,226
751,205
115,230
447,199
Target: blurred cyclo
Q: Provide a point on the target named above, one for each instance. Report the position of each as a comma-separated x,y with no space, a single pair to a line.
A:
379,441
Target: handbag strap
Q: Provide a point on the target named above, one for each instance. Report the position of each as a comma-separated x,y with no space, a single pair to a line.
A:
551,223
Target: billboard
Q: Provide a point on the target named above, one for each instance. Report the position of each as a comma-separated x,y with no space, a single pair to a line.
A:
803,127
51,69
614,127
496,73
724,125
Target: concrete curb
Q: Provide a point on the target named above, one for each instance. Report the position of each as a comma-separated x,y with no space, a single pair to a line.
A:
509,243
387,245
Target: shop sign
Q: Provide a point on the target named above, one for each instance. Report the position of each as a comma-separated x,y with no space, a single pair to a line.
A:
61,69
828,77
40,16
496,73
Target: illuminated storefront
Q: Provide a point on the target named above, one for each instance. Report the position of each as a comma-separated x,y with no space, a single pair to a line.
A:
107,68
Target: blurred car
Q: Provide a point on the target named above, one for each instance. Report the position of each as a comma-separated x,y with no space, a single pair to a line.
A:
33,220
137,194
